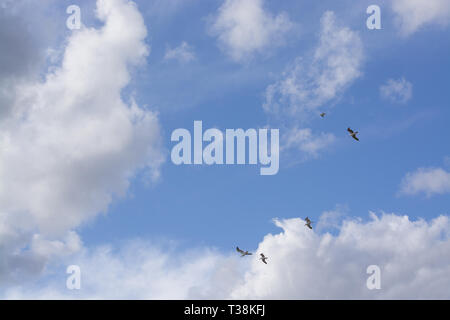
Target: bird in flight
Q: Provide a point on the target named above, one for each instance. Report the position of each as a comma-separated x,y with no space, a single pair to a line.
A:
323,114
263,258
308,222
353,134
243,253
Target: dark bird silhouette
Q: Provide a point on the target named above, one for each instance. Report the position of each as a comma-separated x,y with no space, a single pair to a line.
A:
308,222
243,253
263,258
323,114
353,134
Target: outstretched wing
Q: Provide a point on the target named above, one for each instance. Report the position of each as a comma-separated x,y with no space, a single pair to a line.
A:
239,250
355,137
350,130
264,260
309,225
262,255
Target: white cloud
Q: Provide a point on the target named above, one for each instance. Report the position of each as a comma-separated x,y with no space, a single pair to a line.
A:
306,141
71,143
140,270
332,219
397,91
410,255
183,53
310,83
245,27
426,180
303,264
415,14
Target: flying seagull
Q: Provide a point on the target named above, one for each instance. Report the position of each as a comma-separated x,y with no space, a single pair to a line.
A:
243,253
353,134
263,258
323,114
308,222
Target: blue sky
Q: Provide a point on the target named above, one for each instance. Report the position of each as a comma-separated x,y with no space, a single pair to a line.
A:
219,207
224,206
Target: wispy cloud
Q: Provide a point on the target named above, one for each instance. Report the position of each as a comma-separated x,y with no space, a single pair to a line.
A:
397,91
183,53
246,28
310,83
412,15
307,142
430,181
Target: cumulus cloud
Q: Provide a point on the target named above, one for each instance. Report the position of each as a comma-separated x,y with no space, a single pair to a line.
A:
138,270
430,181
183,53
71,143
310,83
412,15
307,142
397,91
410,255
245,28
303,264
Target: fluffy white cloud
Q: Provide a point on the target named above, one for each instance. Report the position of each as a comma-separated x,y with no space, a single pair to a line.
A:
245,27
310,83
71,143
141,270
414,14
303,264
397,91
426,180
183,53
306,141
409,254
